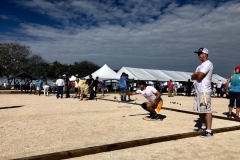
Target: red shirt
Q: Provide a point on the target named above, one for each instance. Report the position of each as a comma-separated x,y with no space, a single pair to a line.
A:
170,85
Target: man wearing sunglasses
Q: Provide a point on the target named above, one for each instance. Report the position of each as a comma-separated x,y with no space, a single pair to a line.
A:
202,78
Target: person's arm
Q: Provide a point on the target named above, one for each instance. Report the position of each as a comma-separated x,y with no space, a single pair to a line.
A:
91,83
158,96
227,84
131,93
198,76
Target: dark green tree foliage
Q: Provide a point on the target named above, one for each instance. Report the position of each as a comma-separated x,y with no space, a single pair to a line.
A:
15,58
83,68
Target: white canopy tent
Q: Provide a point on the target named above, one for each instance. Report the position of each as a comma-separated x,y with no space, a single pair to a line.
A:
175,75
161,75
158,74
217,77
136,74
72,78
105,73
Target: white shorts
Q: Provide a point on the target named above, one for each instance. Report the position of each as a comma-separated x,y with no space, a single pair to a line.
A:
202,102
39,88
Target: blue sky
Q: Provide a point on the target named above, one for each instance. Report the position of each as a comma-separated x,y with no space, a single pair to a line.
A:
150,34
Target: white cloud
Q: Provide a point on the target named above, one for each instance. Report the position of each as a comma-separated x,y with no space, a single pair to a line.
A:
129,35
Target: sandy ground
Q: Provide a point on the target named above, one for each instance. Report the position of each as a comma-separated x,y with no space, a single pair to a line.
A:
43,125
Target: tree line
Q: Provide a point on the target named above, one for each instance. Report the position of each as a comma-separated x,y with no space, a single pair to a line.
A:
15,58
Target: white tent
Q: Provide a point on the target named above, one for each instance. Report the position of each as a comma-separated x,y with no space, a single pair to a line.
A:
217,77
72,78
137,74
175,76
105,73
159,75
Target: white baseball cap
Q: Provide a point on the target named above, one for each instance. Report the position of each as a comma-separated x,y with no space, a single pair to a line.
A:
202,50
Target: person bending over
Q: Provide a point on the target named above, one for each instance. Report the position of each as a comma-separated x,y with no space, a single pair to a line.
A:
153,96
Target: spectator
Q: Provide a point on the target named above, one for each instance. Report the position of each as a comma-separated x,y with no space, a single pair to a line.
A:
40,86
170,88
32,87
90,87
103,87
16,85
83,87
234,92
60,84
123,87
46,87
128,86
219,88
67,87
76,90
189,88
175,87
95,84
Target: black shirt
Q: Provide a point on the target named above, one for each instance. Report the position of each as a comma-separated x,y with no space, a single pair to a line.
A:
66,81
95,82
89,81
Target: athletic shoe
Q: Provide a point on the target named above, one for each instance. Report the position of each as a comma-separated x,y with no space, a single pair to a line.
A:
200,129
207,134
155,117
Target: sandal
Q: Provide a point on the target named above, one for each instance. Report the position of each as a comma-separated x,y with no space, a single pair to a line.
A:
237,117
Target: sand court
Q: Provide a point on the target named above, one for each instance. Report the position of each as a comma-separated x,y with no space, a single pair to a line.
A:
41,125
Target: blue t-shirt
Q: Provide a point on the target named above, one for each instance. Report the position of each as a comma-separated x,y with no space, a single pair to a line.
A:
127,82
40,84
235,83
123,82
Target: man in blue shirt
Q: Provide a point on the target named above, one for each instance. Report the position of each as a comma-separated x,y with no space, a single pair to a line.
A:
123,87
39,86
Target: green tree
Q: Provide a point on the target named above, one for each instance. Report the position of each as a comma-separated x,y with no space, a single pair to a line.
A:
84,68
13,58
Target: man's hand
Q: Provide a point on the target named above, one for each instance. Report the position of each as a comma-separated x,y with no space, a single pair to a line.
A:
193,76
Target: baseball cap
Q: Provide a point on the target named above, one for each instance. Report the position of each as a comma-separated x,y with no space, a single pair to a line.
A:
202,50
237,69
64,75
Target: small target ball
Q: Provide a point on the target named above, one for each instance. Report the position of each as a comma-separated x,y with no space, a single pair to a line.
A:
123,116
115,97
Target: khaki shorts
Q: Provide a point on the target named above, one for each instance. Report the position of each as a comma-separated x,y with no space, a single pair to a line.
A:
202,102
84,90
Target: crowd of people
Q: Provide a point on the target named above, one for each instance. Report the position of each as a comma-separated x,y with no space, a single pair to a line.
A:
82,87
200,86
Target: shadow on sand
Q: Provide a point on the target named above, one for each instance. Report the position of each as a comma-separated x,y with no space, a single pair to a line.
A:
9,107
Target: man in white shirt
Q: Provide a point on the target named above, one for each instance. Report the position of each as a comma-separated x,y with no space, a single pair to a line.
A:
202,78
153,96
60,85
